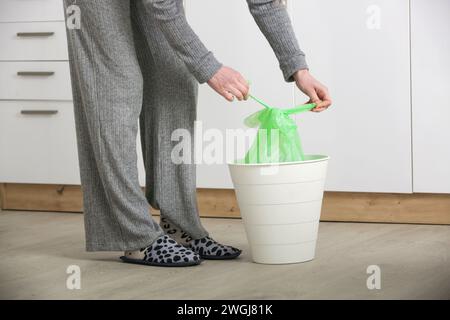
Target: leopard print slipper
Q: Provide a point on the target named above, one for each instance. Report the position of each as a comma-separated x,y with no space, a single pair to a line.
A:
163,252
207,248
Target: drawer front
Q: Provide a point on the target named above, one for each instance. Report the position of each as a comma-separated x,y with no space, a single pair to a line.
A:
35,80
33,41
38,142
31,10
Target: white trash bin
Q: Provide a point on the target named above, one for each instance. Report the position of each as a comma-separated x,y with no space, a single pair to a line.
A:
280,205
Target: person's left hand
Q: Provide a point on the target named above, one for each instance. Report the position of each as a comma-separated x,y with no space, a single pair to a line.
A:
316,91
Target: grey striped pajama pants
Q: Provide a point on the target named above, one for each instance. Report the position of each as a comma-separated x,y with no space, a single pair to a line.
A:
124,72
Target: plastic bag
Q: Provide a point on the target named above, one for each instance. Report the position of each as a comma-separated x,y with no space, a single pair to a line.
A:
277,139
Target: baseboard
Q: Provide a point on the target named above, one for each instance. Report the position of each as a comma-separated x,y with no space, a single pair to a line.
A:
386,207
337,206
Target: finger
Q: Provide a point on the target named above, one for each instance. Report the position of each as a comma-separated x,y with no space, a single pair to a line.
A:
327,103
240,79
316,108
311,93
243,86
235,92
243,89
319,109
324,104
322,92
310,101
227,95
324,96
321,105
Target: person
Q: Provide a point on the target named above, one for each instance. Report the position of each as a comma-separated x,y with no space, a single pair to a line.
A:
139,61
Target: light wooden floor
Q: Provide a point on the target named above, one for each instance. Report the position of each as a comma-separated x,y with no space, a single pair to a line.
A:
37,247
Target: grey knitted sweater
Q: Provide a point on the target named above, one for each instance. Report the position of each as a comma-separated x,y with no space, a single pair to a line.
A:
270,15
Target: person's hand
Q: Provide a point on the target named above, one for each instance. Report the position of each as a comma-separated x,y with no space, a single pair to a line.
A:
229,84
316,91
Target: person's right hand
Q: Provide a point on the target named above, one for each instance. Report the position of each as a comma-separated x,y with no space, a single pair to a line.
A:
316,91
229,84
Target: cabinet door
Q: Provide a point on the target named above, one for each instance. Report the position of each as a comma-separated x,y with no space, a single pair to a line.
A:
31,10
360,50
430,52
38,142
228,29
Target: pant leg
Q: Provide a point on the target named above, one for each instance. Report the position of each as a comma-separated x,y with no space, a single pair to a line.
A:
170,100
107,88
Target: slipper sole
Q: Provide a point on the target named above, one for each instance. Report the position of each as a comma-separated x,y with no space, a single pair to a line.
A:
229,257
158,264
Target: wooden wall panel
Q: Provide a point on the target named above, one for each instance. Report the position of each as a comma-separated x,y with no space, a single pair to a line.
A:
221,203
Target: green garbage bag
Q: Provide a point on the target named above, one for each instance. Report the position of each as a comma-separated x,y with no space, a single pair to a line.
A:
277,139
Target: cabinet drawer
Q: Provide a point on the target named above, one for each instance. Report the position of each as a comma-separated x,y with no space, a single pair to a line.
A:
33,41
31,10
38,142
35,80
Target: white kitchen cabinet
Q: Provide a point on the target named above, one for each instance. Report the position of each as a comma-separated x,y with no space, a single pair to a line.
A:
31,10
228,30
37,142
360,50
430,52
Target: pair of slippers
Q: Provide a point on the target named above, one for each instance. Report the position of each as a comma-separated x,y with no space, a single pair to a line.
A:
167,252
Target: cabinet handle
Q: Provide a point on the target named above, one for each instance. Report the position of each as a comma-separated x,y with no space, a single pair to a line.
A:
39,112
35,73
35,34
